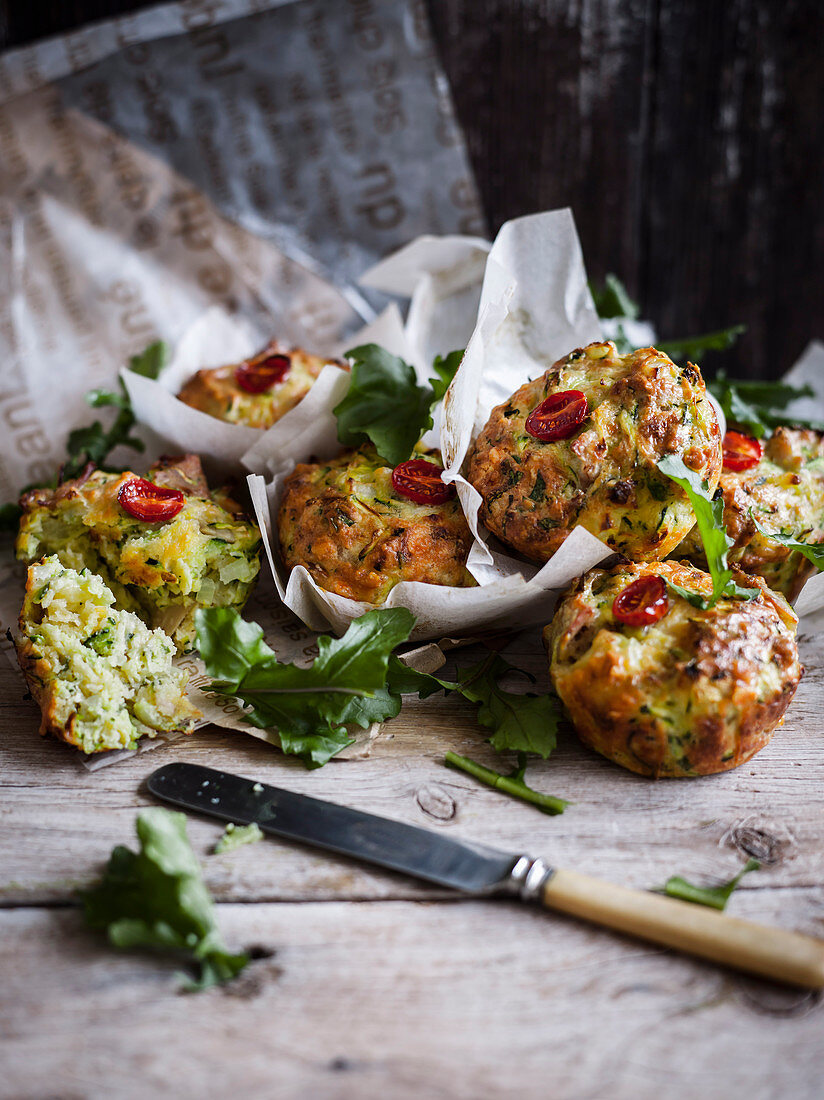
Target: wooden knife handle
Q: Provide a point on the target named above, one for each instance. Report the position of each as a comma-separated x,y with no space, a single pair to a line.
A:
769,952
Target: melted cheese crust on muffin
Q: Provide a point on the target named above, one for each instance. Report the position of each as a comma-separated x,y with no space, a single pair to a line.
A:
358,537
206,556
102,679
785,493
695,693
215,391
604,477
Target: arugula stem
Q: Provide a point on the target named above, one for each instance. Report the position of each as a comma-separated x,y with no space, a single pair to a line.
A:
507,784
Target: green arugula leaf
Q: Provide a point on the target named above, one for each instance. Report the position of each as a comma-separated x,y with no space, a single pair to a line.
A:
812,551
151,361
230,646
613,302
235,836
403,680
612,299
512,784
693,348
519,722
94,443
309,707
759,406
445,368
385,403
709,515
156,898
714,896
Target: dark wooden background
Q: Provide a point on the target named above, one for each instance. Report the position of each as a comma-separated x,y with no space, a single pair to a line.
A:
687,136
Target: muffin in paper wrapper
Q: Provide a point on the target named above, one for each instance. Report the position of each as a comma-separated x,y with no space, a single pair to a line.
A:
535,307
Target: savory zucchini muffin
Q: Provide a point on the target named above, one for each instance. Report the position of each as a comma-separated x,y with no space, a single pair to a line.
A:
258,391
661,687
579,445
783,487
163,544
101,678
359,527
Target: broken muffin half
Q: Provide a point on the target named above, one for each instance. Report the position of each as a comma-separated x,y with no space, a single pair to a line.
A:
101,677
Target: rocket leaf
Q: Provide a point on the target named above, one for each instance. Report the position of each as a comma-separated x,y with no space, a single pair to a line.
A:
714,896
692,348
309,707
512,784
520,722
445,368
386,404
813,551
760,406
156,898
612,300
709,515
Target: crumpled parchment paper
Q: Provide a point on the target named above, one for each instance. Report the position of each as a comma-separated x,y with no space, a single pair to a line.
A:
240,161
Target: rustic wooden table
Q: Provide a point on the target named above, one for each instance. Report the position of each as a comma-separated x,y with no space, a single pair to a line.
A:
369,985
689,143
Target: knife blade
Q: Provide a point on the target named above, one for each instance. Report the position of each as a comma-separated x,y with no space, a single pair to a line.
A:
390,844
479,871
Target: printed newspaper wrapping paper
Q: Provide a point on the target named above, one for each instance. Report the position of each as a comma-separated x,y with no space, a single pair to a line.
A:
250,155
240,159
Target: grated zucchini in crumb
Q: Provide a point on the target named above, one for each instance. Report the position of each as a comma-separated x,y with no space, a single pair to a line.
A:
101,677
206,556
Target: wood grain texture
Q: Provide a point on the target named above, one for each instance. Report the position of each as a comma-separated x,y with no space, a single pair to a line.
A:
688,139
376,988
376,1000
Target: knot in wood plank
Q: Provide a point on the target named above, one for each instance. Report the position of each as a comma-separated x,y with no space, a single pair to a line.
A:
758,843
436,802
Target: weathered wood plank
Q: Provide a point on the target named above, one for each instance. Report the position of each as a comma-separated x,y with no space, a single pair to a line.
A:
686,137
58,822
463,1000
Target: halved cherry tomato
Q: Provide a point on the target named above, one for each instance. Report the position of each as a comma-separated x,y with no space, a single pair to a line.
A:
261,373
741,452
641,603
149,502
558,416
420,481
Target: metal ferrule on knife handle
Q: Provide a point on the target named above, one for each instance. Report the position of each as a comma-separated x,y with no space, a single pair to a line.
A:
529,877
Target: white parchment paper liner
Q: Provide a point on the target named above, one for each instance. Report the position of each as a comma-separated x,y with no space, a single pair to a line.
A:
442,277
216,339
535,307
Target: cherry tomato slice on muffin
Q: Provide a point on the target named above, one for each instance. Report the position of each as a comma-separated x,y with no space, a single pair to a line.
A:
420,481
260,374
741,452
149,502
558,416
641,603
